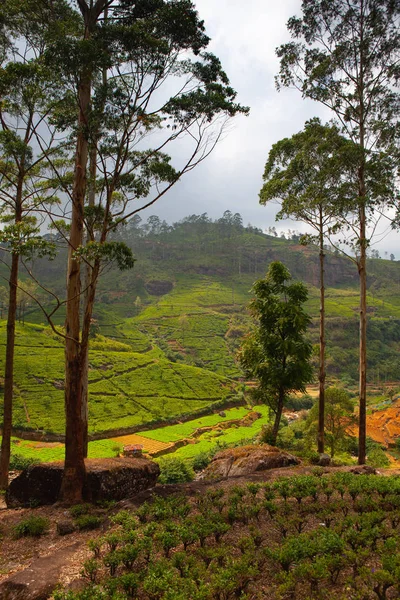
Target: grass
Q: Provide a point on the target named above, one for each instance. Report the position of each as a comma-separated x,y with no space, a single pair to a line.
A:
173,433
48,453
232,436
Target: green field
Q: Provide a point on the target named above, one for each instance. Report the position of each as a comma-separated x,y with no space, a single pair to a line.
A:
51,452
215,439
210,440
126,388
173,433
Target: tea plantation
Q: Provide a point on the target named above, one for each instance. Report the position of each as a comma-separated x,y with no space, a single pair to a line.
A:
126,388
165,334
308,536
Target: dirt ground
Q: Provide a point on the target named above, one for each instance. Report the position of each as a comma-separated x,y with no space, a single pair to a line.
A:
18,554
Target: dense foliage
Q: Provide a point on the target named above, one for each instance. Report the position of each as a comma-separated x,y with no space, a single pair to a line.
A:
276,352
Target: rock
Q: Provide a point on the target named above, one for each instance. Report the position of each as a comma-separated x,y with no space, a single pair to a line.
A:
106,479
246,460
222,414
324,460
363,470
38,581
158,287
65,527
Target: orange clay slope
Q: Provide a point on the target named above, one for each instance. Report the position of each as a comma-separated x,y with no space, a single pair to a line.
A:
383,426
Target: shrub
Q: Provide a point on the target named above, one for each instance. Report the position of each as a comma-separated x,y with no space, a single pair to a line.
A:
201,461
377,458
34,526
79,509
87,522
343,459
265,436
296,403
175,470
19,463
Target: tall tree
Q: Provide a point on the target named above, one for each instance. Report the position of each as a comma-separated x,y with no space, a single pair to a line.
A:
24,175
276,352
345,55
309,173
148,50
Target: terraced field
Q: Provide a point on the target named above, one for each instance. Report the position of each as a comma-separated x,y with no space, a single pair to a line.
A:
149,445
193,319
126,388
200,435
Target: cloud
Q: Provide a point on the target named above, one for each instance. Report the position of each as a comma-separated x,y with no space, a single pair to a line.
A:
244,35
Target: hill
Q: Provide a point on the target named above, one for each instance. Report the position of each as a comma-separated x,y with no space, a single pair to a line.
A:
166,332
127,389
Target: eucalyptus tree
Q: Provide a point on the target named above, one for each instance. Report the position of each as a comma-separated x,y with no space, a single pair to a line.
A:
309,175
345,55
137,81
25,181
276,352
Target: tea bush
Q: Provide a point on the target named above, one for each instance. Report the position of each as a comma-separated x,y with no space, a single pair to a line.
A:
310,536
34,526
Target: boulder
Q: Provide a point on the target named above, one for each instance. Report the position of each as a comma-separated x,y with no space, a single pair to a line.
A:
106,479
65,527
245,460
363,470
38,581
324,460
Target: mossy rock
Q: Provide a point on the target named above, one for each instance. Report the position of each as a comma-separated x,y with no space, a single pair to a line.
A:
106,479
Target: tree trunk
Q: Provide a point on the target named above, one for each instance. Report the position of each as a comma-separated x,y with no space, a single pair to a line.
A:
87,319
9,375
74,468
362,265
322,375
75,351
362,426
85,373
278,416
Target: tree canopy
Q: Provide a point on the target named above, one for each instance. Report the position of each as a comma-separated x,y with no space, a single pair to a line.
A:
276,353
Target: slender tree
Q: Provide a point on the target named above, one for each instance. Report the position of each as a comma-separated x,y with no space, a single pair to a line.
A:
161,84
276,352
309,174
344,54
24,174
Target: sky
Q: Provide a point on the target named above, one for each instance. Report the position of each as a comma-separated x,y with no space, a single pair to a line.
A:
244,35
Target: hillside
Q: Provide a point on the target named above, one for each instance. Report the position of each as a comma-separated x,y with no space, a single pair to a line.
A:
126,389
165,333
294,532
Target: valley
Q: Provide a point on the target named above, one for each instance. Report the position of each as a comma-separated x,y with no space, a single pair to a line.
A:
164,339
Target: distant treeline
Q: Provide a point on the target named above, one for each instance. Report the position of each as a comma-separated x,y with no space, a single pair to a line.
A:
225,246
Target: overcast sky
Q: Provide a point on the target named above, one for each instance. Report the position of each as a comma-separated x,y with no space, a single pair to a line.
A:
244,35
